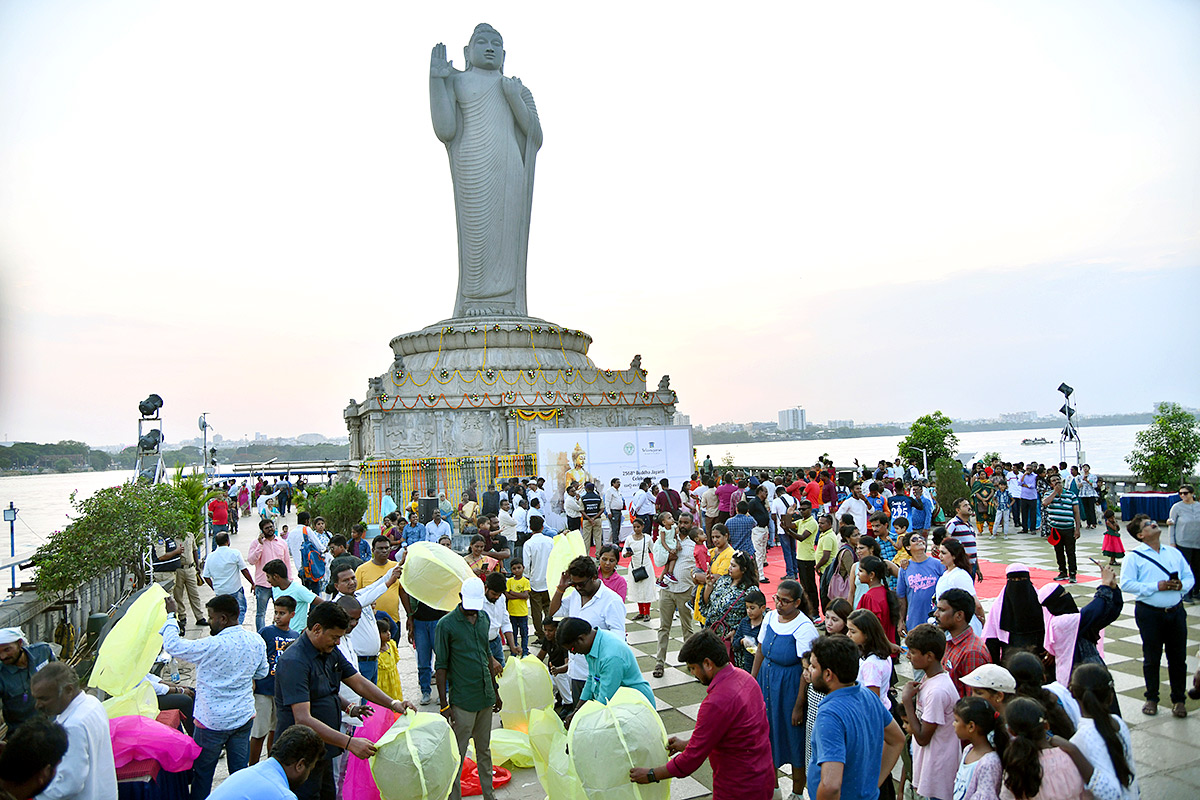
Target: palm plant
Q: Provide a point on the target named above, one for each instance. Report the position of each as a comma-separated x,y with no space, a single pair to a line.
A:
198,495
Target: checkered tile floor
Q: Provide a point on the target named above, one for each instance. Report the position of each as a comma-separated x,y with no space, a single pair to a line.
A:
1166,749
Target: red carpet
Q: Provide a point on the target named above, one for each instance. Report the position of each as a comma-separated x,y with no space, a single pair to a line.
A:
993,576
994,580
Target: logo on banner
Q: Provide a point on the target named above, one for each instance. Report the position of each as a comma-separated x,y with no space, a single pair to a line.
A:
629,448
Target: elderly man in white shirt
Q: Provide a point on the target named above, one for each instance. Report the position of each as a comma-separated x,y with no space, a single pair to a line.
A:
87,771
364,639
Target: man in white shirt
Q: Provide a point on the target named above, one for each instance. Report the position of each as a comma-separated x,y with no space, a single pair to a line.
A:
709,504
88,770
500,629
435,529
520,515
508,525
780,507
642,505
581,593
856,506
572,508
364,639
614,504
537,558
673,598
221,572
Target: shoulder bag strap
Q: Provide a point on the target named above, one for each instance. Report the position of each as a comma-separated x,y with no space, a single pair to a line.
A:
1152,561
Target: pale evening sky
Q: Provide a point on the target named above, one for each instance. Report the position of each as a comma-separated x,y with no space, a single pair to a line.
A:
869,209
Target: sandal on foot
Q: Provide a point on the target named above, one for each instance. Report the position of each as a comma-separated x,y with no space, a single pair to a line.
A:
658,671
1179,710
1150,709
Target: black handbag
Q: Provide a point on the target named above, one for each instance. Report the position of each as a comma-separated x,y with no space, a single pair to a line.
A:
640,574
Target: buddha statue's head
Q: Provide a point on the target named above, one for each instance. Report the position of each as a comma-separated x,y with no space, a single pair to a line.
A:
486,48
578,457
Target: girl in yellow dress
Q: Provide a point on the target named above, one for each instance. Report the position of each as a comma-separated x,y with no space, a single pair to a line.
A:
389,675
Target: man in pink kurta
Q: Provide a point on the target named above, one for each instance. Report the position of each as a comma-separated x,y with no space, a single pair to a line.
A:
266,548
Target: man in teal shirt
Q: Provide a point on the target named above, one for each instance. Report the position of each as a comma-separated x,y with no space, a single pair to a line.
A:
611,662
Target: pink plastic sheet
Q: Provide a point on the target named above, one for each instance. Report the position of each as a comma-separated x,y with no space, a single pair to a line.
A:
135,738
359,783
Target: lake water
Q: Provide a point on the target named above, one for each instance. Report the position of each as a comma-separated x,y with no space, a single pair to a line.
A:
1104,448
44,500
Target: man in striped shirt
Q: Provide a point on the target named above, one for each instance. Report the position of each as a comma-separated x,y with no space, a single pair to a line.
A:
960,527
1062,511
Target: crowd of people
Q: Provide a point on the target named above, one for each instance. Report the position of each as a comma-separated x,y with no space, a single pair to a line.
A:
1011,702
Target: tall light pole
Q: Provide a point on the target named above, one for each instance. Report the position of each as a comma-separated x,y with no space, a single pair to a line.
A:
10,516
1069,432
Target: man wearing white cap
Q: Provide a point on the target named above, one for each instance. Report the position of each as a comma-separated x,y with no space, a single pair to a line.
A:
465,665
18,662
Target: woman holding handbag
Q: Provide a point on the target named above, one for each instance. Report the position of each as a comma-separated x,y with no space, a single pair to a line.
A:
640,570
724,599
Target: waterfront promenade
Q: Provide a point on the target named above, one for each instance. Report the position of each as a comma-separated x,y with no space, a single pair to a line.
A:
1166,749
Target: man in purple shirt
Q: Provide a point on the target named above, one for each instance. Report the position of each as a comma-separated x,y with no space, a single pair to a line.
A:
731,728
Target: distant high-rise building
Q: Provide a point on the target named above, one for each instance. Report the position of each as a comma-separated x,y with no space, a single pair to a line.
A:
793,419
682,419
1019,416
841,423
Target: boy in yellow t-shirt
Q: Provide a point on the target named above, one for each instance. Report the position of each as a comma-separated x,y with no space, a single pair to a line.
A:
517,592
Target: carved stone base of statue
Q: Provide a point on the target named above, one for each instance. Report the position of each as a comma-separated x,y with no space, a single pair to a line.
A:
486,385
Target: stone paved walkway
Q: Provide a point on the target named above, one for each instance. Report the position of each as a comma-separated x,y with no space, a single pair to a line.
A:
1166,749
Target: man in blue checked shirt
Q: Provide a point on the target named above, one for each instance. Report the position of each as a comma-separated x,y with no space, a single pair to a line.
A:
1159,575
227,664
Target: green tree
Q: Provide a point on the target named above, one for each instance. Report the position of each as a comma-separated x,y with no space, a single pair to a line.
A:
951,484
113,530
342,505
99,459
934,433
62,465
1169,449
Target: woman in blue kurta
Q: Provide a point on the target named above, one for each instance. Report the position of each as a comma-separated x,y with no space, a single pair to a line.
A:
786,635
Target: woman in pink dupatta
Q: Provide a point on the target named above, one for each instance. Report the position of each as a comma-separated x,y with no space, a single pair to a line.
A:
1075,636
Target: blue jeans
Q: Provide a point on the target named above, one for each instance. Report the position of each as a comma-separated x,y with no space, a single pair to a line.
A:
521,633
789,555
423,638
236,744
240,596
262,595
369,667
497,647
